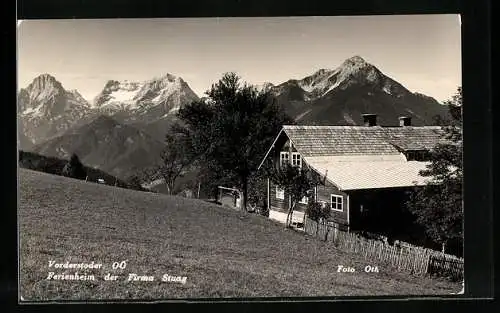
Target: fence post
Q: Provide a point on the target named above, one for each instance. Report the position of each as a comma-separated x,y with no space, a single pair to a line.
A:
427,261
400,258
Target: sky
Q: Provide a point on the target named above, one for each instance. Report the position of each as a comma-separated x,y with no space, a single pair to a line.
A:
422,52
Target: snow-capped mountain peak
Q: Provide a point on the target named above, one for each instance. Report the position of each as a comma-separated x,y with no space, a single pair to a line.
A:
166,77
357,69
45,108
117,92
45,95
337,96
355,60
149,99
78,97
354,70
44,87
44,80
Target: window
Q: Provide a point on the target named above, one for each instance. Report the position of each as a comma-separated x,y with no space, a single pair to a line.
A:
296,161
304,200
280,193
417,155
337,203
284,158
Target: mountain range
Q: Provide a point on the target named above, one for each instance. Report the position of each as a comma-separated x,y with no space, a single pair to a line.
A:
117,149
46,109
144,102
122,129
342,95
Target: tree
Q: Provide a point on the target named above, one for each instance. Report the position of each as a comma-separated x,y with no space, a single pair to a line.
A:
296,182
257,192
231,129
438,205
455,105
317,212
74,168
176,158
134,182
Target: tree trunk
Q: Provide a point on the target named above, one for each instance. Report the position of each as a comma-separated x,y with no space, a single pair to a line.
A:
327,230
290,215
443,247
170,188
245,193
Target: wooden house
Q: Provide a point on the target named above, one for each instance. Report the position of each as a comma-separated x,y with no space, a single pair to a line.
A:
365,169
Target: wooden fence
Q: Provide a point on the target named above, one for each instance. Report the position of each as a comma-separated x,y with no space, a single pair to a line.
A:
403,256
446,265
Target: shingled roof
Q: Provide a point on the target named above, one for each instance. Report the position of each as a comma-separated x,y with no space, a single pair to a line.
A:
369,172
363,157
361,140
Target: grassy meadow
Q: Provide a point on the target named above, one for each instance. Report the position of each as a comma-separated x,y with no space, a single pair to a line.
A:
222,252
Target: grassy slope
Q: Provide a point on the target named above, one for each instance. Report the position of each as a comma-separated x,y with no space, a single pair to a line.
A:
222,252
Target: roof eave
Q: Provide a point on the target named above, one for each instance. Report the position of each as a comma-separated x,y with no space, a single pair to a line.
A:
385,187
323,175
270,148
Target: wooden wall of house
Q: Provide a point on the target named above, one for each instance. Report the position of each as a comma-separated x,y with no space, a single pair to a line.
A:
275,203
281,144
324,193
282,205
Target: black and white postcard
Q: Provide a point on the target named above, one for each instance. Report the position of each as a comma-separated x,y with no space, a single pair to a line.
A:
240,157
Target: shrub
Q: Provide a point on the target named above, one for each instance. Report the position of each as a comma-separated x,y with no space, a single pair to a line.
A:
74,168
316,211
134,182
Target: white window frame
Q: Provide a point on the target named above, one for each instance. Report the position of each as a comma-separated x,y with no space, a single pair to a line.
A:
298,159
280,193
337,202
284,156
304,200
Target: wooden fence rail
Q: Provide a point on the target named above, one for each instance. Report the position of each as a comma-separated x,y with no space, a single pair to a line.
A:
404,256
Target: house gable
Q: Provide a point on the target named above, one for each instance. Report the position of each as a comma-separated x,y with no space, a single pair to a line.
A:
282,143
360,157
